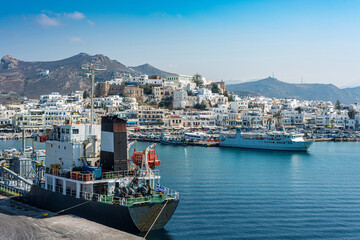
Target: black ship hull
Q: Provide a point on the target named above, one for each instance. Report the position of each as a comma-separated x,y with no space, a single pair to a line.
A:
136,218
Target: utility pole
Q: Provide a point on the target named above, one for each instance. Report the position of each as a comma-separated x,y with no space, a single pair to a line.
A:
92,68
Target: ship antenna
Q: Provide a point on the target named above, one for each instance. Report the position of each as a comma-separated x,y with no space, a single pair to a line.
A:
92,67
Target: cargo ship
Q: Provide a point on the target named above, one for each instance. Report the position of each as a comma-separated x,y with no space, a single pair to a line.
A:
77,180
276,140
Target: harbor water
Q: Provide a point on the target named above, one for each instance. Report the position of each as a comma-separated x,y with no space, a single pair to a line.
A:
228,193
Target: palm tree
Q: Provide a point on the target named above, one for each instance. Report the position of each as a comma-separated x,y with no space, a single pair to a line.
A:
269,122
332,121
159,121
252,120
278,117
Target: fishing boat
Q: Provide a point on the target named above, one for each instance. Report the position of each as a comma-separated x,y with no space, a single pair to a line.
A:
171,140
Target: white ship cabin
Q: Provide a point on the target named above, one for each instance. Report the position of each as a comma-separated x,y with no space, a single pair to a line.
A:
72,165
71,144
195,136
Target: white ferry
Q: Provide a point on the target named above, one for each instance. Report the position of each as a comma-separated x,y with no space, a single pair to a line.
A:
271,141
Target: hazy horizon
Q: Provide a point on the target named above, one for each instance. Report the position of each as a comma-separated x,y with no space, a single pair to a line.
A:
309,41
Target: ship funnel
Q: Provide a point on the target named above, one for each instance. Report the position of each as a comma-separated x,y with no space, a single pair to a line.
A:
113,156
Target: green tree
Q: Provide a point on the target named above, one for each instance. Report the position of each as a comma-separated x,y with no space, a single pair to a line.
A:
252,120
159,121
166,103
299,109
338,105
215,88
86,94
352,113
200,106
308,122
147,89
190,93
197,78
269,122
332,122
278,117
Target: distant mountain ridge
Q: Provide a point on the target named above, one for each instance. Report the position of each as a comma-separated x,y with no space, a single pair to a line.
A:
272,87
20,78
151,70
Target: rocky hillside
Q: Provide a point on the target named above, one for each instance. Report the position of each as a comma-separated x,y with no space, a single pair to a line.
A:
271,87
19,78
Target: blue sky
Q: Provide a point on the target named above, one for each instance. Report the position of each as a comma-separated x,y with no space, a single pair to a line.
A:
317,41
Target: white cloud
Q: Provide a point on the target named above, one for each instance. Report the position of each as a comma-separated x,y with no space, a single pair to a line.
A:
47,21
75,15
76,40
91,22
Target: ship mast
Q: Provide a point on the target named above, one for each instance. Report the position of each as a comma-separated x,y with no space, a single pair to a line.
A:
92,68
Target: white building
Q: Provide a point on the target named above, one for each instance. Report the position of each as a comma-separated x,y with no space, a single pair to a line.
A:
180,99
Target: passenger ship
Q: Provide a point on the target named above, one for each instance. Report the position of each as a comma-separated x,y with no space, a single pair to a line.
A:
275,140
80,178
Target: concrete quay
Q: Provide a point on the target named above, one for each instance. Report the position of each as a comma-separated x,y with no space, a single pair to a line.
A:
21,221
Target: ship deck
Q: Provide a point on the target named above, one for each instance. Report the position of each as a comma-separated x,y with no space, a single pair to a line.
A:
155,197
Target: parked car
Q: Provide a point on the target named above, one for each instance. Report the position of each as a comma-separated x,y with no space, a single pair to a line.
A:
10,150
28,149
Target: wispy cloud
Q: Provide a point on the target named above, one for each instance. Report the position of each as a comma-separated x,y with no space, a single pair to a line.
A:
76,40
91,22
47,21
75,15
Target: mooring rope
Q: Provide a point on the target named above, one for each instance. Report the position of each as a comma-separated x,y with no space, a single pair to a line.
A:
73,207
155,220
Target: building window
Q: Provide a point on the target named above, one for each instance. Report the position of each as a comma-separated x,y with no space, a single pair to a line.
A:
75,131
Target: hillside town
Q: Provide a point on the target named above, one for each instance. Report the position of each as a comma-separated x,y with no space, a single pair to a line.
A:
180,102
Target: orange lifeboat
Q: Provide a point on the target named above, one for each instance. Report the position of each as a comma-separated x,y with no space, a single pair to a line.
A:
137,158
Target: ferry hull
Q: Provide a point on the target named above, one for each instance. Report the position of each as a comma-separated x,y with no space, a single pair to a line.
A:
136,218
261,144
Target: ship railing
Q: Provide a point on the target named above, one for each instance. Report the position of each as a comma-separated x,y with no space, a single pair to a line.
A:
58,188
110,199
77,175
70,192
11,190
172,193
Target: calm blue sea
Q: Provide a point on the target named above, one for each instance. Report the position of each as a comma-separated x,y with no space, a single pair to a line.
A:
251,194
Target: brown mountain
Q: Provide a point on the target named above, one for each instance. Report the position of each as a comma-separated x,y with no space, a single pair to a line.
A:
19,78
151,70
